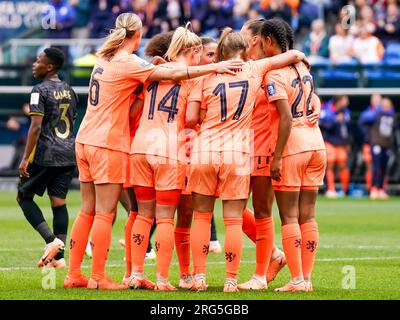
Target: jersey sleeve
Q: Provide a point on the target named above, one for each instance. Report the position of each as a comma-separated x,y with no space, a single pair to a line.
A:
196,90
37,102
139,69
275,86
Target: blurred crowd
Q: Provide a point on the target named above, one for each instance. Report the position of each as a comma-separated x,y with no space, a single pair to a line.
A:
327,29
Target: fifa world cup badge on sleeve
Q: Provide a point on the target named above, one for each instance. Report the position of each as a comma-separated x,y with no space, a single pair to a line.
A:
271,89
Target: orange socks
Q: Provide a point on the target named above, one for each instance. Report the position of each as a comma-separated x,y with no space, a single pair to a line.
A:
182,245
79,238
264,244
200,240
344,176
330,179
164,246
368,179
128,244
291,242
139,240
101,239
249,224
310,236
233,245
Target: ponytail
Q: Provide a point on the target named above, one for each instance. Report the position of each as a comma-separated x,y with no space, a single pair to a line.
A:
183,40
126,26
230,44
275,29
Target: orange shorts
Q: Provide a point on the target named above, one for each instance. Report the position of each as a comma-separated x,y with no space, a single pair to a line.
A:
128,184
222,174
261,166
336,154
100,165
304,170
366,153
158,172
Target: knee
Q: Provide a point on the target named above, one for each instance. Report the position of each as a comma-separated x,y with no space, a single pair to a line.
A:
24,197
262,210
57,202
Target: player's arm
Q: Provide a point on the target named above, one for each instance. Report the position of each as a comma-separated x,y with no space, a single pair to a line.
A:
284,129
136,107
177,73
192,114
313,118
282,60
33,136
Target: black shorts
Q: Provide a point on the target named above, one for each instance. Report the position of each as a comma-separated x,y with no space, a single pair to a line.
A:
55,179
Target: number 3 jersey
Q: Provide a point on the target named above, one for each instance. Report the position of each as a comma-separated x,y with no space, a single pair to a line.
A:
297,87
161,127
56,102
229,102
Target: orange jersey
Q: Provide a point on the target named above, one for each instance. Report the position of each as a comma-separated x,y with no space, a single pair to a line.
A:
260,125
106,122
297,88
229,101
161,127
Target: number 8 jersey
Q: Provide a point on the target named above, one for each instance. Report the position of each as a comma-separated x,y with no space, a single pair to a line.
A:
294,84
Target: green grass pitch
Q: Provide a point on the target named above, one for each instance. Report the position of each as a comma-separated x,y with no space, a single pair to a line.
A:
359,233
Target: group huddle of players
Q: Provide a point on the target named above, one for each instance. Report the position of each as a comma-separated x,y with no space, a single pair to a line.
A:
204,120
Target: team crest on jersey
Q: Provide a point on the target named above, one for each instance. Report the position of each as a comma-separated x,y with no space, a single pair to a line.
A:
271,89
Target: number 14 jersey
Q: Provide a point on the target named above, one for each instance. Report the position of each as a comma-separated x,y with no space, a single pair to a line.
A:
297,87
161,128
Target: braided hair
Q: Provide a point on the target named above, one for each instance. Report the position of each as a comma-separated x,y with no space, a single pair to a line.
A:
274,28
289,34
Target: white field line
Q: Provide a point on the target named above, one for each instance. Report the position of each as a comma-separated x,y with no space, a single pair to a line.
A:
321,246
117,265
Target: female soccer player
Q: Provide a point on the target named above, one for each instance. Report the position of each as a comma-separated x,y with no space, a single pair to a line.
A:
220,156
102,143
159,160
299,157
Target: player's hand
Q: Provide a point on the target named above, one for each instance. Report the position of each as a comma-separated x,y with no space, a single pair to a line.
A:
23,168
276,167
230,67
313,118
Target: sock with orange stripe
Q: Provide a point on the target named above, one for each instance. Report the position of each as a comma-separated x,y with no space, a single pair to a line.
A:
309,237
101,239
291,242
164,246
264,244
233,245
330,179
128,244
344,176
249,224
182,245
78,241
200,240
139,239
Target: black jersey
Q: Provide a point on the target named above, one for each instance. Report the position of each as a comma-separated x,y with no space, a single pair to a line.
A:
57,103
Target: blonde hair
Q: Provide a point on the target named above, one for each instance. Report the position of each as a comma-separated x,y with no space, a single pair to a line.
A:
230,44
126,26
182,40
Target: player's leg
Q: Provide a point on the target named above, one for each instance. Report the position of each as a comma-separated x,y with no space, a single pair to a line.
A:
311,180
150,253
344,171
309,232
233,220
330,172
263,197
166,204
79,236
107,196
366,153
182,239
203,207
384,160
